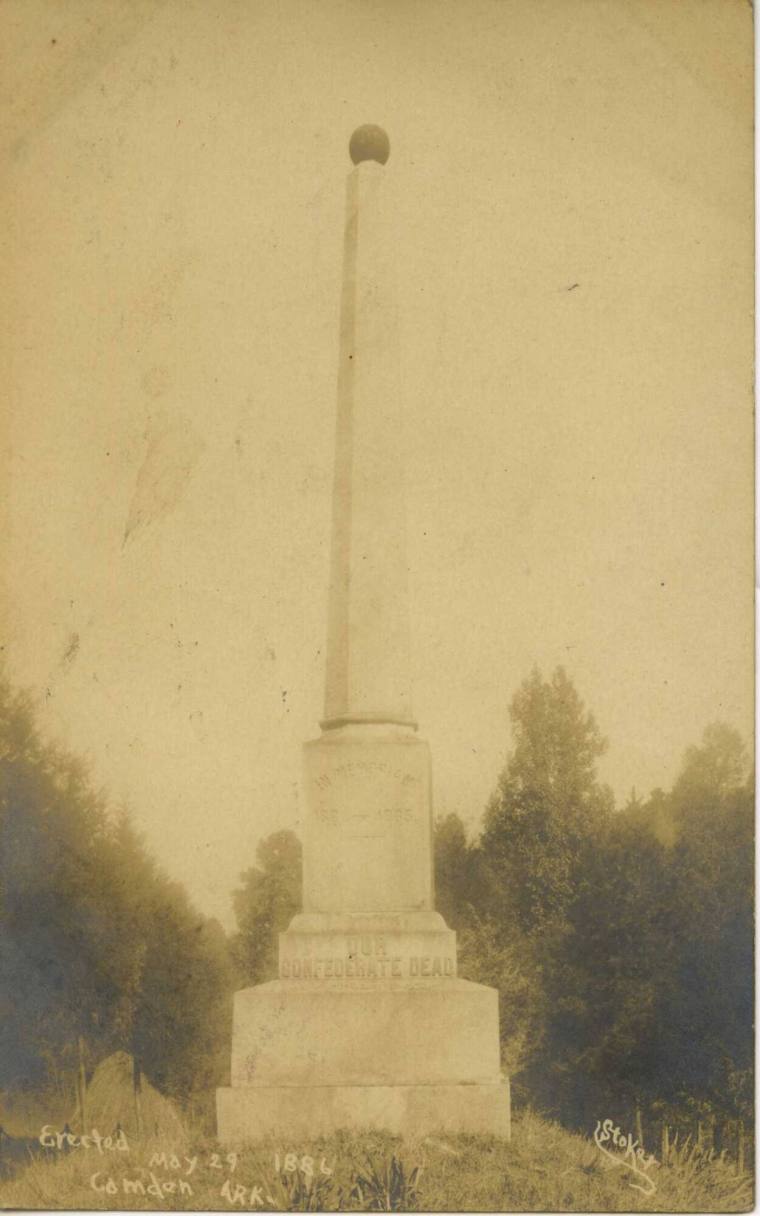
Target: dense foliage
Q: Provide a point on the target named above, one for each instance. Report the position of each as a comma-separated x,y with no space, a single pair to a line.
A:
265,904
621,942
99,951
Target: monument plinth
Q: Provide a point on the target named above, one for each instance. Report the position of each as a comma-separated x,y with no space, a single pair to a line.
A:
367,1025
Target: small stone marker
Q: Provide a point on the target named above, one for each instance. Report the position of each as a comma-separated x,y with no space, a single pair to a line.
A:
368,1025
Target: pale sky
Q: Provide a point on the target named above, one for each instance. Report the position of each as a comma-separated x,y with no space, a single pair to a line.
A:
574,245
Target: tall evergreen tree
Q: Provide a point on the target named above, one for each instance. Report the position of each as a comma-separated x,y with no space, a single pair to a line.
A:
264,905
547,804
457,871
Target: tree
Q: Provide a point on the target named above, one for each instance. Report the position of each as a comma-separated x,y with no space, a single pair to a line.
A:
96,945
183,1010
707,1010
711,771
603,975
547,802
457,871
55,931
264,905
648,975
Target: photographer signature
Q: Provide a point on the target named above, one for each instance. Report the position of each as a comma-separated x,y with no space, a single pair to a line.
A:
627,1152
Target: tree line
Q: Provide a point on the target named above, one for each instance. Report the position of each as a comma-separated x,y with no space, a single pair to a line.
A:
620,940
99,950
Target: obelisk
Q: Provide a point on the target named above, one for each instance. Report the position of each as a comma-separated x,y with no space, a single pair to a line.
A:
368,1025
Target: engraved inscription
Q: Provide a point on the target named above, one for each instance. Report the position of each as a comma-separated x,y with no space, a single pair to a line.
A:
374,967
368,825
335,791
366,944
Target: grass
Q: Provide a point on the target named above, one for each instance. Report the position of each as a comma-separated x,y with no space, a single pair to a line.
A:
543,1168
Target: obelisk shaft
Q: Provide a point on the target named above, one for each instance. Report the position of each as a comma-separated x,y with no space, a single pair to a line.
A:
368,831
367,1026
368,650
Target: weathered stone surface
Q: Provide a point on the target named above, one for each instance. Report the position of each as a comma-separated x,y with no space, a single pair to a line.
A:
368,838
299,1114
368,667
424,920
381,1032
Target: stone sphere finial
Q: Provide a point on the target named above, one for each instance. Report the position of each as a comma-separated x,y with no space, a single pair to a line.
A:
369,143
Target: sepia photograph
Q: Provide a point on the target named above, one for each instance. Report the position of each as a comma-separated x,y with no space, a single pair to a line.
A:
377,606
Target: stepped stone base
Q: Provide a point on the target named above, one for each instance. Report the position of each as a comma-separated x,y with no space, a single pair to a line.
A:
348,1033
405,1056
301,1113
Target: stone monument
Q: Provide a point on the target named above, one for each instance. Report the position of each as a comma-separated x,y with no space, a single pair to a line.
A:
368,1025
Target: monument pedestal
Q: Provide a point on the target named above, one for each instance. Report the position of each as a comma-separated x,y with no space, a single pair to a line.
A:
402,1055
368,1025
